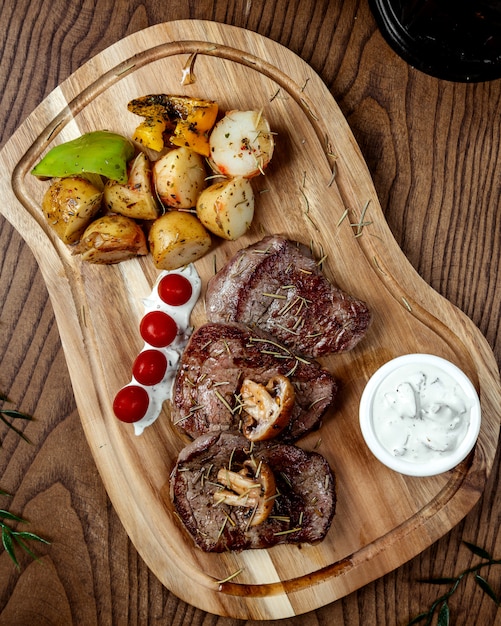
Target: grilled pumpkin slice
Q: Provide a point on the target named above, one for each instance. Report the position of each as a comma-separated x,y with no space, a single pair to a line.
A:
185,121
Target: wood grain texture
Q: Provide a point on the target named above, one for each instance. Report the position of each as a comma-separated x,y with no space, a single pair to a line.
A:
432,149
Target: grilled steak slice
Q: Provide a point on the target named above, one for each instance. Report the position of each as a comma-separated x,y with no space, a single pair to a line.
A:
216,361
303,503
277,286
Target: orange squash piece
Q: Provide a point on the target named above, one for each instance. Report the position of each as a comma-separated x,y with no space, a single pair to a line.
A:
150,133
193,131
191,118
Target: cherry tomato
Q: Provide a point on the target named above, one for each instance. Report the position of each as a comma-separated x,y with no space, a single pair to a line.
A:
149,367
158,329
175,289
131,403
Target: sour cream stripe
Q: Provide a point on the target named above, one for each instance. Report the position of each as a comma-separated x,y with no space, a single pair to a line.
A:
159,393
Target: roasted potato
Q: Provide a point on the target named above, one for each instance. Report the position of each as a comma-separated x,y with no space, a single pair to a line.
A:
241,144
179,177
226,208
111,239
135,199
176,239
69,205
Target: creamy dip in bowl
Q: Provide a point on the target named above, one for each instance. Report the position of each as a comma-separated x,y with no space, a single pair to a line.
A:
420,415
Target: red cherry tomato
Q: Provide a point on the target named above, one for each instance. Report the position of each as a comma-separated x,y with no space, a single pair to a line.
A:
175,289
131,403
149,367
158,329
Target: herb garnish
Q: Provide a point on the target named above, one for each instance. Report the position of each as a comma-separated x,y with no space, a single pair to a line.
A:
15,538
287,532
343,217
275,95
307,211
357,226
441,604
11,538
230,577
305,83
223,401
361,223
11,413
330,153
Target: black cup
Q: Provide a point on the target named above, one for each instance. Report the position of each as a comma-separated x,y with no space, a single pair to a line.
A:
457,40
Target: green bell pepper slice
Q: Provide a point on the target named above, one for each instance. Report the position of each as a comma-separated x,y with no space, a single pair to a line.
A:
99,152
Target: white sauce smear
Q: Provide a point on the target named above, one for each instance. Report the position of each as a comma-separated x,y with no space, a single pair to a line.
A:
181,315
420,413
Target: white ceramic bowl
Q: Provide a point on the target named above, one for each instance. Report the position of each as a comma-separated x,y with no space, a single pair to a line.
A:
430,466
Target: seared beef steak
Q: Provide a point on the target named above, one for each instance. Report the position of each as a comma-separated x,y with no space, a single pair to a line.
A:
277,286
216,361
303,502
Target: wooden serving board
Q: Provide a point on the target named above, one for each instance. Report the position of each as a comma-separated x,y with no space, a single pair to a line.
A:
317,190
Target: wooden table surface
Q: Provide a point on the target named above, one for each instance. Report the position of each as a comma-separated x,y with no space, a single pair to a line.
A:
433,149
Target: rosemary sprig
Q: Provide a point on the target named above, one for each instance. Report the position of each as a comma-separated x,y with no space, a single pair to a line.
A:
15,538
12,539
361,223
287,532
441,604
275,95
223,400
230,577
13,414
307,211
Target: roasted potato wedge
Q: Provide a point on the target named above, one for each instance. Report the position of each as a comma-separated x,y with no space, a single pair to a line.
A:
179,176
112,239
226,208
135,199
241,144
176,239
69,206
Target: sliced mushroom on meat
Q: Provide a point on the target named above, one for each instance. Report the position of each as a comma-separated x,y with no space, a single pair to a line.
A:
267,409
252,487
233,494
